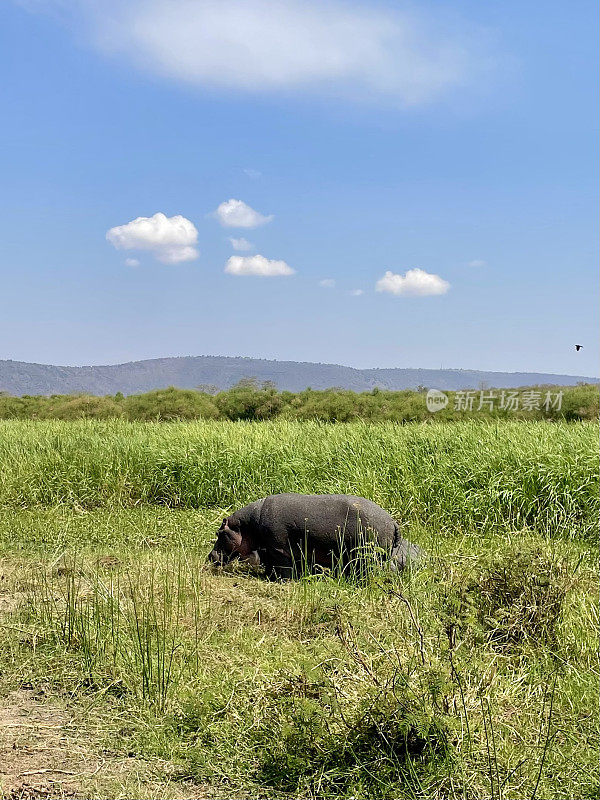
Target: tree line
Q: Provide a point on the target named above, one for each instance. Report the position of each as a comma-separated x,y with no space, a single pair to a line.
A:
252,400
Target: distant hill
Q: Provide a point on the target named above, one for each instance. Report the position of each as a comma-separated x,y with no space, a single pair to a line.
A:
190,372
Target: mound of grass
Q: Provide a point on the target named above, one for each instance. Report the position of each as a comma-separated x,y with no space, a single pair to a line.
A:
519,596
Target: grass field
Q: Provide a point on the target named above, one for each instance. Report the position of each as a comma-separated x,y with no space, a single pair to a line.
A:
129,669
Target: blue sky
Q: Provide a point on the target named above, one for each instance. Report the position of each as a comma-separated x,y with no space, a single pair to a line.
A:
457,139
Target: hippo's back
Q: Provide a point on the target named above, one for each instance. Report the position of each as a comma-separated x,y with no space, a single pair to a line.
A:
326,518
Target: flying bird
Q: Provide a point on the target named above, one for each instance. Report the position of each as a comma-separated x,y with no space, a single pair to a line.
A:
578,347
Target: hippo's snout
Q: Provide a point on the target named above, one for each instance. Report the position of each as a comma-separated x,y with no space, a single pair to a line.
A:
215,558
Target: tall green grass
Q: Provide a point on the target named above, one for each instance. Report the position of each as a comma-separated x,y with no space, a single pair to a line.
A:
472,476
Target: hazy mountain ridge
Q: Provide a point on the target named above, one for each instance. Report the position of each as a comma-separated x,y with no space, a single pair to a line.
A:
188,372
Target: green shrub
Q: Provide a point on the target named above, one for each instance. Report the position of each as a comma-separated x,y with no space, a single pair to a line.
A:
169,404
251,400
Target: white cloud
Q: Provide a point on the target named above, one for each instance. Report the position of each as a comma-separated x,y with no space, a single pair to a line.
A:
132,262
241,244
415,282
327,283
257,265
477,262
355,48
356,292
253,173
237,214
170,239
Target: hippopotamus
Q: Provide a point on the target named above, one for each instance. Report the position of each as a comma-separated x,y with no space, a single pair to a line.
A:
289,534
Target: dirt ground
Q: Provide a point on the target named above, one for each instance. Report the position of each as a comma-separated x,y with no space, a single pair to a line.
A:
40,755
45,753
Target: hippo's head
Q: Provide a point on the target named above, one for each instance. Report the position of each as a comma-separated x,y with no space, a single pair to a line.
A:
232,544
